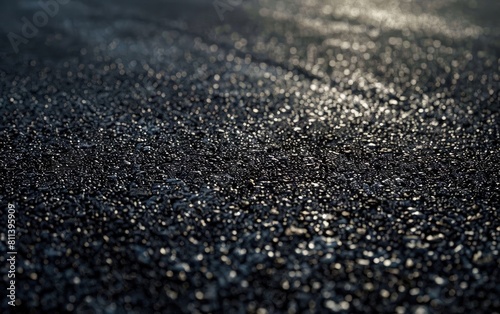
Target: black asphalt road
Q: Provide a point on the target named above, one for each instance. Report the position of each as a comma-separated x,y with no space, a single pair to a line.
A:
254,156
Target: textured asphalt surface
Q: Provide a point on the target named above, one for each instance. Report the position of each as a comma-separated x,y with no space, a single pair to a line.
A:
295,157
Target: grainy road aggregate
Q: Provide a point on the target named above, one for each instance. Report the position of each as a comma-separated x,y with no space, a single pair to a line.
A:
262,157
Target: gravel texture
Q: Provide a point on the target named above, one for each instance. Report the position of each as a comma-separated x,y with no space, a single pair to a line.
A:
297,157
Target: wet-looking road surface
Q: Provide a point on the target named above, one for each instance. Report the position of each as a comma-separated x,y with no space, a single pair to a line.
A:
251,156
